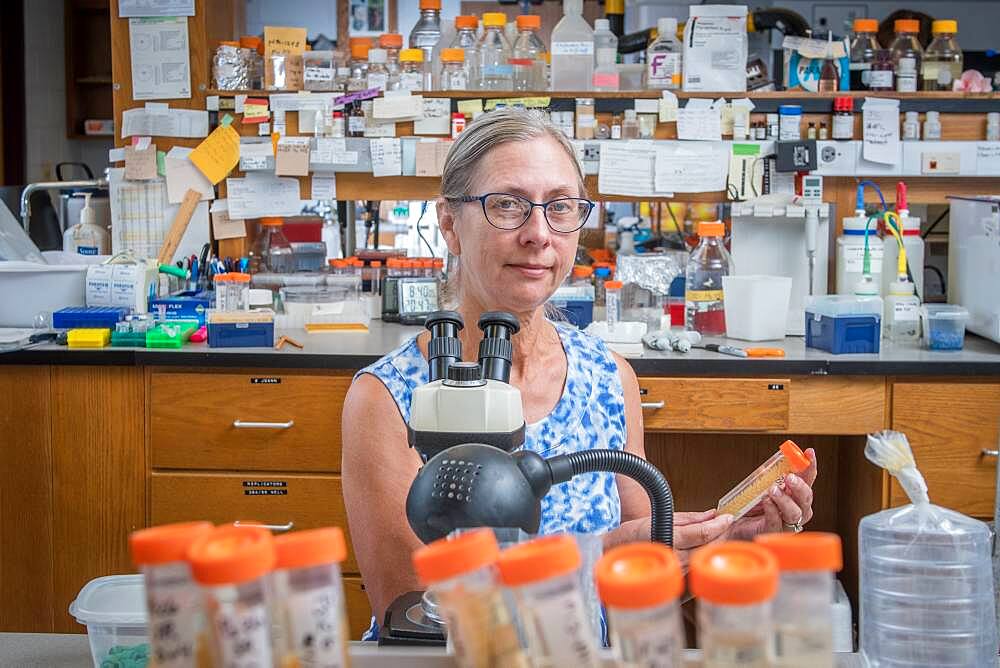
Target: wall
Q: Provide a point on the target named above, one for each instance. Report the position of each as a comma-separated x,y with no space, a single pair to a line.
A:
317,17
45,97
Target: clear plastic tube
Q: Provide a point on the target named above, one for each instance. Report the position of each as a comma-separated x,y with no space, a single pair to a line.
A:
744,496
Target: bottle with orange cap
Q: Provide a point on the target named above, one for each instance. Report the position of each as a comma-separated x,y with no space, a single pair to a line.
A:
862,53
735,583
411,71
640,585
460,573
528,55
467,40
427,31
741,499
544,576
358,78
905,44
613,303
392,42
703,297
803,616
495,71
453,74
232,564
173,599
309,596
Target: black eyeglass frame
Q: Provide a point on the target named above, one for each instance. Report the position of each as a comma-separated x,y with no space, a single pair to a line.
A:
467,199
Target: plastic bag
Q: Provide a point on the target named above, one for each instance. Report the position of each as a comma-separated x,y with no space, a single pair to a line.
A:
715,49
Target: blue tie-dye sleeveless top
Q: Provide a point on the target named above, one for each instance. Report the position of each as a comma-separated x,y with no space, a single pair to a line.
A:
590,414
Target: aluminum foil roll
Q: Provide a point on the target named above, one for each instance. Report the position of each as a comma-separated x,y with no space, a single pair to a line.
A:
651,271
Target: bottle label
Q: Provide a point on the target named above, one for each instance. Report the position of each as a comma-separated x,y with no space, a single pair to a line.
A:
616,132
356,124
86,250
456,80
703,295
572,48
243,635
843,126
174,614
497,71
854,258
664,69
317,74
906,83
378,80
315,627
565,630
880,79
412,81
905,311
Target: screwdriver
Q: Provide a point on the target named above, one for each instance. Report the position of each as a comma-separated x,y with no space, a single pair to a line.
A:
742,352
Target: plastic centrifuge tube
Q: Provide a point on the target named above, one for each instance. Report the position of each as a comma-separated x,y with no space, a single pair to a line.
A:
309,595
740,499
461,574
613,303
544,576
640,584
173,600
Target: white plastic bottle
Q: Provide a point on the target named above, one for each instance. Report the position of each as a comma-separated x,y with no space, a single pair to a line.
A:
572,50
495,70
606,76
851,253
913,244
663,57
902,312
528,58
86,237
378,73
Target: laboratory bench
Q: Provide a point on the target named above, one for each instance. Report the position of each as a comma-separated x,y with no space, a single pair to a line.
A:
98,443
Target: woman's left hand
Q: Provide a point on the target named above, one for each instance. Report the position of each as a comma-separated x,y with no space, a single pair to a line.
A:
782,508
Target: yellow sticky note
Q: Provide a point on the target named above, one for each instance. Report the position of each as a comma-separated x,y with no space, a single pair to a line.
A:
216,156
470,107
526,102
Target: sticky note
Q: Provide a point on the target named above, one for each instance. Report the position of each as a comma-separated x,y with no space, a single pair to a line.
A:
323,187
288,41
255,110
292,157
140,164
223,227
470,107
218,154
161,163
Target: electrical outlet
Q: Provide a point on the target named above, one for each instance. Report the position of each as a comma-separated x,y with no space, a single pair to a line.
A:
836,17
941,163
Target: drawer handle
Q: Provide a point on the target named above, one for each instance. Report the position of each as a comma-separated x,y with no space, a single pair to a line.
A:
653,405
240,424
277,528
986,452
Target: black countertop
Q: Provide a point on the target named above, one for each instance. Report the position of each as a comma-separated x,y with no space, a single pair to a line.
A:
354,350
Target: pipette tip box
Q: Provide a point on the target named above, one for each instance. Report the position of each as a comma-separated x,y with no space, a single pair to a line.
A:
88,337
843,324
88,317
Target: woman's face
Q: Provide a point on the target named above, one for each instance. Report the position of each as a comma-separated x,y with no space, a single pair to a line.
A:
514,270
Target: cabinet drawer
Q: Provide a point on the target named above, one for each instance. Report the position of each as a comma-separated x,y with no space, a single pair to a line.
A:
359,611
719,404
948,426
304,502
265,421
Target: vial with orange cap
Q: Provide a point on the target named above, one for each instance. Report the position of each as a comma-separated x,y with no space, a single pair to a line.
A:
803,614
309,598
232,565
640,585
735,583
460,574
741,499
173,599
613,303
544,576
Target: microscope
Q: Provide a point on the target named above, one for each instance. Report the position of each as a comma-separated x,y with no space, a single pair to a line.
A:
467,424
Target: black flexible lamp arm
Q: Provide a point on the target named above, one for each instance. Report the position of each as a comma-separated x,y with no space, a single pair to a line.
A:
661,500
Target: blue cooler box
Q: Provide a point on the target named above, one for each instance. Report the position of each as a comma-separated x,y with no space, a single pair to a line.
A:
240,335
842,324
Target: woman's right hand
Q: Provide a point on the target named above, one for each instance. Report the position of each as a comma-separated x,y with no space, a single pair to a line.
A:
692,530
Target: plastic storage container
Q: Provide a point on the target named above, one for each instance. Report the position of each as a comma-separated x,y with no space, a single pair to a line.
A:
88,337
572,50
576,302
851,253
744,496
309,598
460,573
944,326
735,583
640,584
803,610
232,563
756,307
113,609
544,577
232,291
173,599
902,313
842,324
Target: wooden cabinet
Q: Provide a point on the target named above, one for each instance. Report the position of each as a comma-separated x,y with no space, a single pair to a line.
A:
948,426
261,421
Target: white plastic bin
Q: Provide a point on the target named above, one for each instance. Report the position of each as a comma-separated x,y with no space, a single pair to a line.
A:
113,608
30,288
756,306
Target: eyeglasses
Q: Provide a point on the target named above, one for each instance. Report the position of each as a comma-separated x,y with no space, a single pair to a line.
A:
509,212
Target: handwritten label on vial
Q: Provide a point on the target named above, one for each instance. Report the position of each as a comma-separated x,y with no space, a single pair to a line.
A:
174,614
243,636
314,628
906,311
563,625
649,645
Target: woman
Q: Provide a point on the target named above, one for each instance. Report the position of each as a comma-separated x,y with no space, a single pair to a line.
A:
512,203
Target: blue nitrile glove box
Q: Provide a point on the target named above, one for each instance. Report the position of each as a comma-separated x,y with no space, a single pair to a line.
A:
185,305
842,324
240,334
576,302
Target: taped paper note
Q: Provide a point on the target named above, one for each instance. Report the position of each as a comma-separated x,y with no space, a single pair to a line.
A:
292,157
156,121
691,167
182,175
218,154
880,120
263,195
255,155
143,8
387,157
398,106
626,168
988,158
668,107
700,119
323,187
436,117
333,151
224,227
140,161
430,157
255,110
161,62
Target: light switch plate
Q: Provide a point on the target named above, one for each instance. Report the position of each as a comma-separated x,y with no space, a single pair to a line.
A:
940,163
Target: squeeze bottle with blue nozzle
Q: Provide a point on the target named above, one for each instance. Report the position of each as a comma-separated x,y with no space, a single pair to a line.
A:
86,237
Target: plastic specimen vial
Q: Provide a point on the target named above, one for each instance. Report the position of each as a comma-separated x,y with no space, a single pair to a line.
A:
543,576
803,616
735,582
309,598
232,563
173,600
640,584
740,499
613,303
461,574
